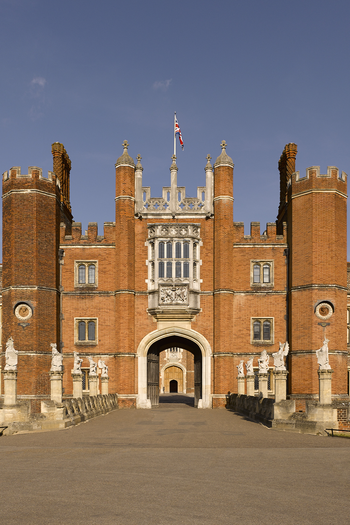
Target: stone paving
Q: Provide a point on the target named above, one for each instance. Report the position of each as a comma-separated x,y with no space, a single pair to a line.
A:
173,465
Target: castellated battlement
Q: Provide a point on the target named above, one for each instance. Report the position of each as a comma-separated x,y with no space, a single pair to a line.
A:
90,235
269,236
33,173
315,172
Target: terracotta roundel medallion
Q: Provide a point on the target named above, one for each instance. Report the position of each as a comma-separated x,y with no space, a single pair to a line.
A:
23,312
324,311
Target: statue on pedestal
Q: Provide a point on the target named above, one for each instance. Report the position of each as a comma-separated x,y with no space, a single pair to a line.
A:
264,362
240,369
93,367
104,368
11,356
57,359
77,364
279,356
249,367
322,356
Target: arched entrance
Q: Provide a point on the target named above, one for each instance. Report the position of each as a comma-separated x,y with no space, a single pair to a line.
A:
148,364
173,386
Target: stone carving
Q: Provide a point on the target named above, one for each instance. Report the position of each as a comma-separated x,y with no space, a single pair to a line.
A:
240,369
77,364
263,361
11,356
249,367
278,357
57,359
322,356
93,367
173,295
104,368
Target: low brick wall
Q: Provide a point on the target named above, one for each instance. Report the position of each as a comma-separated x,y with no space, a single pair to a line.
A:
256,408
56,416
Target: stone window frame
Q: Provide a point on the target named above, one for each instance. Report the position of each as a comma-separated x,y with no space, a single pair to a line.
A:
262,263
262,341
85,342
85,375
271,390
194,242
86,263
348,324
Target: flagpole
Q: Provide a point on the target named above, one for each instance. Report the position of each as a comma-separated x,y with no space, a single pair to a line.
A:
174,134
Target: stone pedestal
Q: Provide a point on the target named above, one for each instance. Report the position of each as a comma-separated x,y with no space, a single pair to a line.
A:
93,384
263,384
104,385
250,385
56,386
77,385
241,385
10,387
325,386
280,385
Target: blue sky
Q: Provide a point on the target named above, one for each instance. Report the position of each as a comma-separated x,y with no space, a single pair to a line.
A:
256,73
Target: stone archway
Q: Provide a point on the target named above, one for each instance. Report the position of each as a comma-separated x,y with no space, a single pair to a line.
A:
170,365
153,343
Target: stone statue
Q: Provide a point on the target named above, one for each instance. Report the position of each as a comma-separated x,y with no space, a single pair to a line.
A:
322,356
11,356
77,364
240,369
278,357
263,362
93,367
57,359
104,368
249,367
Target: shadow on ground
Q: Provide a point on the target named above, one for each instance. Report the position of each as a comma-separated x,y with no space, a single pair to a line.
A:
178,399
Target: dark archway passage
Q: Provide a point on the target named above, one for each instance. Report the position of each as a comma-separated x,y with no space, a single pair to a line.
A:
173,386
153,366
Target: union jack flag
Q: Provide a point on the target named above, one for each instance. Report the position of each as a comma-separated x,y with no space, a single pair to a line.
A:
178,133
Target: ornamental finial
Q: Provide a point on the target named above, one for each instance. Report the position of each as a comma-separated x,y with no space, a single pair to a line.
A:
125,145
223,145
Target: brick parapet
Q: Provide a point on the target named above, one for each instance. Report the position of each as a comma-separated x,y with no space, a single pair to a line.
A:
269,236
75,237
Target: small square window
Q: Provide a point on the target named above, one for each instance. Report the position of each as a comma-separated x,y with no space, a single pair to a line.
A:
261,273
262,330
85,274
85,331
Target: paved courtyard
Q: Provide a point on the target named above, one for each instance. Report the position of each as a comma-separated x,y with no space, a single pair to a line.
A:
174,465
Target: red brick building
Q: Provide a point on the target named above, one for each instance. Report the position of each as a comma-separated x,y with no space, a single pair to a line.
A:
174,294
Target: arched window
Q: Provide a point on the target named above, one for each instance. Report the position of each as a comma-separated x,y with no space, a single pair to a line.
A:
91,274
266,273
186,250
81,274
169,270
161,270
256,273
91,331
257,331
178,270
161,250
169,250
81,331
266,331
178,250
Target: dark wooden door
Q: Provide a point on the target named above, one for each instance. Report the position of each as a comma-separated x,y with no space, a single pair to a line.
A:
153,378
197,379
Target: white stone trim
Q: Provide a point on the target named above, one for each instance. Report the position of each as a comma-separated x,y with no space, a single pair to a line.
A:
156,335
